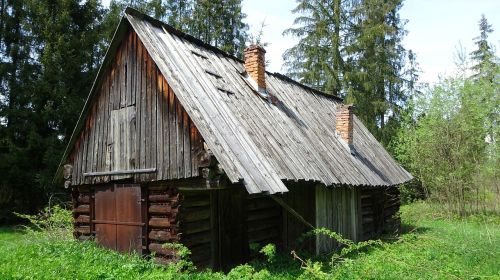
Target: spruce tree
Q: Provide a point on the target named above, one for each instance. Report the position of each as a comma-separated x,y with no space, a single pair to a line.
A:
322,27
49,53
17,76
483,56
376,72
219,23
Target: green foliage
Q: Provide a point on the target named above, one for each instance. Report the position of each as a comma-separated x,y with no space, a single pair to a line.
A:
48,55
434,245
247,272
183,263
55,222
353,49
484,55
313,270
269,251
450,143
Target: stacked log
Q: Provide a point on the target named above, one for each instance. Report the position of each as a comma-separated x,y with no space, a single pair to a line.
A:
163,227
81,198
392,202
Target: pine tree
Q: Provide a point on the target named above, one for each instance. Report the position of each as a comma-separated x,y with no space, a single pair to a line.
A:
484,55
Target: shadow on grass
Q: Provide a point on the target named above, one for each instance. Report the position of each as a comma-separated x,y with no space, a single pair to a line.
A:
409,228
12,229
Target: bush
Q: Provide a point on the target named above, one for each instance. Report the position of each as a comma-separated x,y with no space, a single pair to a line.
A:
269,251
52,221
449,141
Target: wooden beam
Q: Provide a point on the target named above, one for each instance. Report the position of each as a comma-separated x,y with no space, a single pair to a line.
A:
291,211
120,172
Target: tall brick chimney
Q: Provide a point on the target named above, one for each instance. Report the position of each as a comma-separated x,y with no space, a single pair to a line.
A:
255,65
344,122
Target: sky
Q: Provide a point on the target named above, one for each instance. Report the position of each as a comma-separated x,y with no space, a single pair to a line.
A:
436,29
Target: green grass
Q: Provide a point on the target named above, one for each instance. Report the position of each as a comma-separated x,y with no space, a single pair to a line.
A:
434,247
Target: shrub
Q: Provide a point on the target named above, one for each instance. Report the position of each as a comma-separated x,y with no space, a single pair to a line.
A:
183,262
52,221
269,251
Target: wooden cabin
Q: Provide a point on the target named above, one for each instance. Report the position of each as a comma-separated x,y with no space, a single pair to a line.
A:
181,142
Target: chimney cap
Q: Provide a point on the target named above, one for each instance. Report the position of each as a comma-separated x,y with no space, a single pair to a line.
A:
254,47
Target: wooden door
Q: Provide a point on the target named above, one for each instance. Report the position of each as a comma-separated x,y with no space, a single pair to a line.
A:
118,217
233,240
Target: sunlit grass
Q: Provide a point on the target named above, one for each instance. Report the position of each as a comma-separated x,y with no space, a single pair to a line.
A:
434,246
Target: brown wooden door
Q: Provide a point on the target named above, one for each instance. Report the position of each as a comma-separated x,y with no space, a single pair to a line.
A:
118,217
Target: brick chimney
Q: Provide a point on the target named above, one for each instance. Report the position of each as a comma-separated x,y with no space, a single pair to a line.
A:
344,122
255,65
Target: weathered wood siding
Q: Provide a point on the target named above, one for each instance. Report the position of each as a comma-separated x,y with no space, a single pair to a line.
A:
301,198
337,209
379,208
135,122
210,222
198,225
264,220
357,214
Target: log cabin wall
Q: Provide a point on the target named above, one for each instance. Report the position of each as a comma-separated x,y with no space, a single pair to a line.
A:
82,204
135,122
209,222
163,203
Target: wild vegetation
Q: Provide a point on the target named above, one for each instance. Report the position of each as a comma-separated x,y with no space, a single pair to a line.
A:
434,245
449,137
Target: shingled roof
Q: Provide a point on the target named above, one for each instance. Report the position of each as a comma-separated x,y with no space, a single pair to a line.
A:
259,142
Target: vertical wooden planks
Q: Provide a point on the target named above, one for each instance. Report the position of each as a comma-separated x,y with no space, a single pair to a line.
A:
138,95
159,123
172,133
186,145
165,129
154,113
158,134
143,111
180,142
